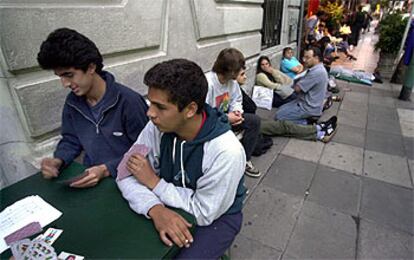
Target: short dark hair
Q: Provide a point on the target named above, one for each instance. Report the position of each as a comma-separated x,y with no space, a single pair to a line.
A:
259,61
229,62
286,50
316,52
183,80
65,48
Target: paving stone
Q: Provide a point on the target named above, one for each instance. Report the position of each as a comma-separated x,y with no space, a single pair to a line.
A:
409,147
382,113
322,233
350,105
407,128
380,242
347,134
358,87
380,87
382,101
382,93
386,167
404,104
269,217
290,175
246,248
343,157
336,190
406,115
385,143
387,204
352,118
411,167
384,124
357,97
304,150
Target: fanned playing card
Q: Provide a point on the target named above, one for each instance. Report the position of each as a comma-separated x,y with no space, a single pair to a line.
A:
122,167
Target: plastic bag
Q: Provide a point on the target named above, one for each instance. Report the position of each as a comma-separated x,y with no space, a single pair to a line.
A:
263,97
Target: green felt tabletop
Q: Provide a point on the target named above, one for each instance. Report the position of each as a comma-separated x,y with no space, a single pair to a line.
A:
97,222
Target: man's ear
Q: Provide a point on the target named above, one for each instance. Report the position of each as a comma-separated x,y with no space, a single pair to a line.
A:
191,109
91,68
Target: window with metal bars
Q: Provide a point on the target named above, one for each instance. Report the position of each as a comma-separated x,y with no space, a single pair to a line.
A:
272,23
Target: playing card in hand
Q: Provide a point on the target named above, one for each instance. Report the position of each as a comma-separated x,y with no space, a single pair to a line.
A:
74,179
122,167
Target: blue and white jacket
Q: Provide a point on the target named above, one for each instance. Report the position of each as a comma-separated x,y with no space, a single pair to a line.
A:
105,141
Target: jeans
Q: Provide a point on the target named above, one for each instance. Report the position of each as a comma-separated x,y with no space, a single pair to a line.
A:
292,112
211,242
288,129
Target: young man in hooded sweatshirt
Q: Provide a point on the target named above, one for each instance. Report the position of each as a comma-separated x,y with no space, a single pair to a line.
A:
100,117
194,163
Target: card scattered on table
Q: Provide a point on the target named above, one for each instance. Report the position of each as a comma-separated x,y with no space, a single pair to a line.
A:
24,232
122,167
50,235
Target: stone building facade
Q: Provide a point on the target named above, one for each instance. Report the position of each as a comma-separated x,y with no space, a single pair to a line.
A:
132,35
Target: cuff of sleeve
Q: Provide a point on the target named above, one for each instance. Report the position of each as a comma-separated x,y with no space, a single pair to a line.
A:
160,188
149,206
112,167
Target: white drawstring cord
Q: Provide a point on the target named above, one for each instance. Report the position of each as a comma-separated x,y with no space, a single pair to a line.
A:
182,165
173,153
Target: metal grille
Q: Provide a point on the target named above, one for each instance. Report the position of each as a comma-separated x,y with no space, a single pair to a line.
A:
272,23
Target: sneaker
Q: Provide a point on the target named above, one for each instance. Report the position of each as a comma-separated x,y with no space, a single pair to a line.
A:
329,133
251,170
330,122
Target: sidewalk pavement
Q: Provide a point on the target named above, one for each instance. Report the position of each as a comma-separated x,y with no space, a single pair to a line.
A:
350,198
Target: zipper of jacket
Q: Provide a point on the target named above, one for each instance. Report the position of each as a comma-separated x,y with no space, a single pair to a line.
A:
92,121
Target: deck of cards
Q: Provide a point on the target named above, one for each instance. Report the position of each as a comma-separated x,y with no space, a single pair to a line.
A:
122,167
36,249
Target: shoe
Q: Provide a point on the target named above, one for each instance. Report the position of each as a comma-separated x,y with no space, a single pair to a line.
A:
330,122
251,170
336,98
330,131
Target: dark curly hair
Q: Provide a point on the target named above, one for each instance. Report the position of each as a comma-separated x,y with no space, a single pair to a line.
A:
65,48
229,62
183,80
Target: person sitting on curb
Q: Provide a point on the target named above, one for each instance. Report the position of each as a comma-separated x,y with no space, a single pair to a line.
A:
224,93
289,64
195,163
280,83
311,90
100,116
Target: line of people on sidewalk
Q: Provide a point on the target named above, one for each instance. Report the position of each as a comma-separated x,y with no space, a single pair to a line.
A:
195,161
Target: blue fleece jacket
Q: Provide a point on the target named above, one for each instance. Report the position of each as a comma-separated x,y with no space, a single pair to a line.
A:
106,140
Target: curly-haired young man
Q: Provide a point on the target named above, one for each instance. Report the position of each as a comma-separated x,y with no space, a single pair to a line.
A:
100,116
195,163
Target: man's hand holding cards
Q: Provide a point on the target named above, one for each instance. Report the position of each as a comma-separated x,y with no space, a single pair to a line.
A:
122,169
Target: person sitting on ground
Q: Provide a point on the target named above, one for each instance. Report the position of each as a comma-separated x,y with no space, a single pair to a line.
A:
289,64
195,163
323,131
224,94
100,116
263,142
310,88
280,83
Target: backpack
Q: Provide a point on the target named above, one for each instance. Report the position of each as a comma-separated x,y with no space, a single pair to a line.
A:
248,104
263,144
